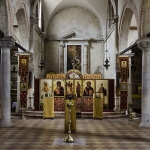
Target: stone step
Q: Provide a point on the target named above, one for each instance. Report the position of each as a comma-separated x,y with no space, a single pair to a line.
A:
61,114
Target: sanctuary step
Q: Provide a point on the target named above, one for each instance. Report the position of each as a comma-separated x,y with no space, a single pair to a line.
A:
60,114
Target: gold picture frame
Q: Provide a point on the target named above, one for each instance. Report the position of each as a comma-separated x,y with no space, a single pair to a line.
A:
88,91
69,87
124,64
23,86
59,87
45,89
123,86
78,88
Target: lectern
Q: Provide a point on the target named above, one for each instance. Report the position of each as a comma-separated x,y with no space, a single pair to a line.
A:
48,106
70,100
97,108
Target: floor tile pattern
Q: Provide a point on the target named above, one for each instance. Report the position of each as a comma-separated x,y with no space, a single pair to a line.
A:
106,134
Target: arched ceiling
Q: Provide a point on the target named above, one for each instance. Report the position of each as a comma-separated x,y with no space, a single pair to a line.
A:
98,8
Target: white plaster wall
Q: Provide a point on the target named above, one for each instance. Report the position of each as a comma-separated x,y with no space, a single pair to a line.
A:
138,5
123,3
3,17
98,7
96,56
65,20
111,45
132,37
52,57
15,5
36,54
48,7
146,18
74,17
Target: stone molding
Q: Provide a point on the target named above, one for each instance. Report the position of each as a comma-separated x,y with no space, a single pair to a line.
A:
39,32
7,41
61,44
144,43
73,34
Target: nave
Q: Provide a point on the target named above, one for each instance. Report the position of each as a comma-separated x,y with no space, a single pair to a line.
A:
48,134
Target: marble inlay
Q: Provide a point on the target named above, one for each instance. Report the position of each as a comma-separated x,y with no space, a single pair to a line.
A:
78,141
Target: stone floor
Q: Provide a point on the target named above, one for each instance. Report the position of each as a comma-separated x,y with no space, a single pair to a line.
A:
48,134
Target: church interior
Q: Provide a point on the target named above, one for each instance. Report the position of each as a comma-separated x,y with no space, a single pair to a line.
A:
74,74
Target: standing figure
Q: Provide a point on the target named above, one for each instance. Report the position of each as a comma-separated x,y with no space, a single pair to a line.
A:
88,91
102,91
59,91
78,89
46,89
69,87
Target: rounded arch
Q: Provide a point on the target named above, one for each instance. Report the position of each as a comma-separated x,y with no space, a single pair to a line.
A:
144,18
74,22
34,7
114,6
84,5
125,21
4,17
22,28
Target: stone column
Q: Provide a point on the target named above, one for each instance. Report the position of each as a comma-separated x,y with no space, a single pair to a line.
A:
144,45
61,58
85,59
5,44
130,81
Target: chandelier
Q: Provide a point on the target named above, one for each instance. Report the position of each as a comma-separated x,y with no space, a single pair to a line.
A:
106,55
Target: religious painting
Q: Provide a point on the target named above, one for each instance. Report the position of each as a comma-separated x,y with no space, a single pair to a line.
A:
23,86
123,64
139,89
123,86
13,85
69,87
45,89
102,91
58,87
88,87
74,57
23,65
73,74
14,68
23,62
78,88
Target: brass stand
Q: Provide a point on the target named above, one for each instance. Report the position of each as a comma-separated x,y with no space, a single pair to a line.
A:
22,113
69,138
132,116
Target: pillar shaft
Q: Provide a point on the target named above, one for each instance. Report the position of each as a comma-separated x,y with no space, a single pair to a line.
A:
5,44
144,45
61,52
85,59
130,81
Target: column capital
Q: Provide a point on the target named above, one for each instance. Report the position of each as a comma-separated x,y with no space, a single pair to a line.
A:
143,43
7,41
61,44
86,45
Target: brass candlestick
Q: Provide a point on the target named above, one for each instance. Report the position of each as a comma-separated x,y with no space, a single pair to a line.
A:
69,138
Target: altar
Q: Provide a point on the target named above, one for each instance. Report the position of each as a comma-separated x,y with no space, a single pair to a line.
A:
85,87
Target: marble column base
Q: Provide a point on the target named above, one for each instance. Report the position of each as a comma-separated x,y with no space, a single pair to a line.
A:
145,121
6,123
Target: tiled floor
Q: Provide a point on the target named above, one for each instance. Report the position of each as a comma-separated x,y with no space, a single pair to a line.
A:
106,134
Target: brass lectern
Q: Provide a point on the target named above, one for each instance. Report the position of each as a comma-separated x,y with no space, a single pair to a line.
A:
97,108
72,115
48,106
